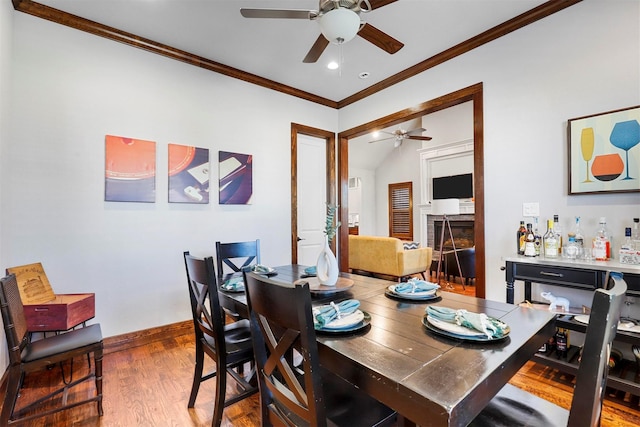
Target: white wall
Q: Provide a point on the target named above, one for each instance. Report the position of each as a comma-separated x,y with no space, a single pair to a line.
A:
580,61
71,90
367,199
6,29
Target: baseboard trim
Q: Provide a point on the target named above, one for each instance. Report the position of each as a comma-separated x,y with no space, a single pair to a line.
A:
146,336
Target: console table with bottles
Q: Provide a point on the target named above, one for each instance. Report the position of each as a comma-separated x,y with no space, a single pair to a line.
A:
577,274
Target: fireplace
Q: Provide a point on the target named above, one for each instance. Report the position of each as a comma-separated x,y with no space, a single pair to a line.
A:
462,232
461,229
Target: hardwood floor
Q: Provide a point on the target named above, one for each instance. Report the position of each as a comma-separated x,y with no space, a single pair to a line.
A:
149,385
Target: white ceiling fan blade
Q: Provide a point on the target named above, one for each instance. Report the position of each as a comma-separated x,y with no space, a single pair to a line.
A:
413,132
383,139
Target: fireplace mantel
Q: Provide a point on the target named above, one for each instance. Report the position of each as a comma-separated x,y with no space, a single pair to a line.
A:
429,157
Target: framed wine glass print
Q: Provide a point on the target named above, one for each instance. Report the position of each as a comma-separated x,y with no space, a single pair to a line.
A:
604,152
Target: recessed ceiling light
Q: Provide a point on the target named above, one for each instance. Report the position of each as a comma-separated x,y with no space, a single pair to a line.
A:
333,65
364,75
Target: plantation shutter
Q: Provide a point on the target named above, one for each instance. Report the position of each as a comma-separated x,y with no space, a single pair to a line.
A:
401,210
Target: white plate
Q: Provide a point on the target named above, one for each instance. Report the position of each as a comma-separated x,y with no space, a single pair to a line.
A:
346,321
423,294
454,328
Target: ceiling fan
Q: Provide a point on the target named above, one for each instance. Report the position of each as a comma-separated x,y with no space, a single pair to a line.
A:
400,135
339,22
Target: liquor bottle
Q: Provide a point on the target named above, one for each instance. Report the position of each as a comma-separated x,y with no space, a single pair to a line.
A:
561,343
550,241
635,234
615,357
557,228
520,236
529,242
537,238
571,249
627,243
602,242
577,232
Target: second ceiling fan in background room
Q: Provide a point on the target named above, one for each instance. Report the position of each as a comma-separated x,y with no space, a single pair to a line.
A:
339,22
400,135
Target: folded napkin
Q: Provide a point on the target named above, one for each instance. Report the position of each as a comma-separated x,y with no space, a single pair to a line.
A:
234,284
415,285
492,328
325,314
311,270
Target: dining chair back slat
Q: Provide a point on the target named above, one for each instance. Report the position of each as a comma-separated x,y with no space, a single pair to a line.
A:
236,255
293,392
228,344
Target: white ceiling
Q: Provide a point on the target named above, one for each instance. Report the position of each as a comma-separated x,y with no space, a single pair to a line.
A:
274,48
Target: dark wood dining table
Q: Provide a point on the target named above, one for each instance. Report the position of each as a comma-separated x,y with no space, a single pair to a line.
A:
429,379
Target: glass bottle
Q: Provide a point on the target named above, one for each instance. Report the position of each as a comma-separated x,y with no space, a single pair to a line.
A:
550,241
571,249
561,343
537,238
557,228
577,232
627,243
615,357
635,234
602,242
520,237
529,242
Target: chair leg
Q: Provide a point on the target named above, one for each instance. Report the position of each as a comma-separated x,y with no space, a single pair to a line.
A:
221,389
11,396
98,367
422,274
197,375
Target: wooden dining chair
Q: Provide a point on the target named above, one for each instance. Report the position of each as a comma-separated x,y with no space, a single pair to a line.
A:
303,394
26,357
236,256
228,344
515,407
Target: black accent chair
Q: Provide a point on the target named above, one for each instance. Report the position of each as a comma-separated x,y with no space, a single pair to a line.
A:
26,357
229,345
515,407
467,258
304,394
236,256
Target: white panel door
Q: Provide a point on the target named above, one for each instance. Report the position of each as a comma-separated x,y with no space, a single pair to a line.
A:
312,163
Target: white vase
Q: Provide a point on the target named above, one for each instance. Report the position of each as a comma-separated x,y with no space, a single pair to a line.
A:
327,266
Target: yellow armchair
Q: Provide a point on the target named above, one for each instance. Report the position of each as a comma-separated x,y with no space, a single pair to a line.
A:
387,256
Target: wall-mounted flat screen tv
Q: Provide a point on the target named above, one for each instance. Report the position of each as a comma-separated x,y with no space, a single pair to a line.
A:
453,187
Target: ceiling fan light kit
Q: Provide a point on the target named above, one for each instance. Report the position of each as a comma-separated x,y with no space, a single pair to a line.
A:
339,25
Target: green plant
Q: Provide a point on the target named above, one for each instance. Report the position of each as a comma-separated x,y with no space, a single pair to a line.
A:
331,225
